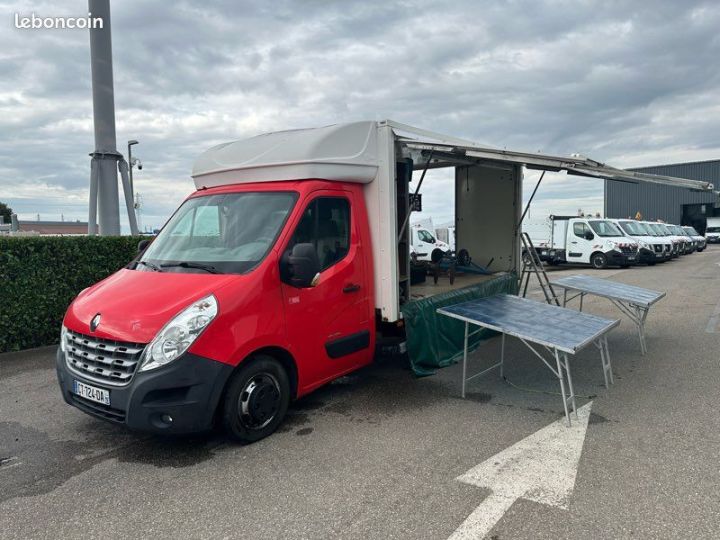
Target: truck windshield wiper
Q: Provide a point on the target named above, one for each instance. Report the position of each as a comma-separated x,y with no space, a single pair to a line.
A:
151,266
186,264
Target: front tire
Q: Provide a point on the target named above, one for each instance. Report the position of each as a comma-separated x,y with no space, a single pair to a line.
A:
256,399
599,261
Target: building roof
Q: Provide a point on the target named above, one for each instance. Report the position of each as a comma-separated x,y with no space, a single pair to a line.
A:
54,227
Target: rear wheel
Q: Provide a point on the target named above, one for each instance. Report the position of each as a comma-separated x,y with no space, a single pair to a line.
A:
598,260
256,400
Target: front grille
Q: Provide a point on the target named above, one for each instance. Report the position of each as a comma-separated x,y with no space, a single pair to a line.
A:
658,248
102,360
628,250
98,409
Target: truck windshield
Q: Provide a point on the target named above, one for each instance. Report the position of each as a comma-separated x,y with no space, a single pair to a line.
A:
647,228
632,228
691,231
605,228
678,230
712,229
228,234
658,229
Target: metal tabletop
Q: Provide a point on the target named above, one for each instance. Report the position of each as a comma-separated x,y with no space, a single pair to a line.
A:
559,328
610,289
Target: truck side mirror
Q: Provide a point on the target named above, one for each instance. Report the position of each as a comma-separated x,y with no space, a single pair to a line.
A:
301,266
589,235
143,244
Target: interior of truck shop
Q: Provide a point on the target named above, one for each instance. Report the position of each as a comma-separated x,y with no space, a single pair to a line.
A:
484,199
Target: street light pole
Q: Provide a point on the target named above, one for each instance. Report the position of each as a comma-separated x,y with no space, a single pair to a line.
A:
132,165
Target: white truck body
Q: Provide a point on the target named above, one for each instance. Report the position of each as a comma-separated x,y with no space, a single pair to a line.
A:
712,230
488,186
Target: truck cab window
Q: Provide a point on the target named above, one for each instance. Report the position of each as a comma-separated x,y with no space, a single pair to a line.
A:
426,236
580,228
326,225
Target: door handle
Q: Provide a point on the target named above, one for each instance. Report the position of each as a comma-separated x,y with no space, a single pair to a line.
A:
573,242
351,287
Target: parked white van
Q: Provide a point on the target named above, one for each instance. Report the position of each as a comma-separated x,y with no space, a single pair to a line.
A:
651,248
423,244
699,239
712,230
595,241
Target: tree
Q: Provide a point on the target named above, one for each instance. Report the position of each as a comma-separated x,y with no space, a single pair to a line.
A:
5,211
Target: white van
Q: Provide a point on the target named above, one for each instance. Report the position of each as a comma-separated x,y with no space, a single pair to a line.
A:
595,241
423,244
652,248
712,231
699,239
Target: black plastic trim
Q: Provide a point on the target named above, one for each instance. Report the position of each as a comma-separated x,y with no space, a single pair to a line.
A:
343,346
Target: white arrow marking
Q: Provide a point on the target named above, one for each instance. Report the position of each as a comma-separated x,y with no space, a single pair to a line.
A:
540,468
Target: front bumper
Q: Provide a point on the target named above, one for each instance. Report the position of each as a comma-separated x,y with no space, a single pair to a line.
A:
619,258
646,256
713,239
187,390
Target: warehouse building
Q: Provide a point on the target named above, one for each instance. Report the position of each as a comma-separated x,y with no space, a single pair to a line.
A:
670,204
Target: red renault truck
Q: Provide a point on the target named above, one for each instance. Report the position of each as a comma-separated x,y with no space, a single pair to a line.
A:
280,273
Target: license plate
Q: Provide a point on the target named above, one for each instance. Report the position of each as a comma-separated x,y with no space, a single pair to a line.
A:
631,258
98,395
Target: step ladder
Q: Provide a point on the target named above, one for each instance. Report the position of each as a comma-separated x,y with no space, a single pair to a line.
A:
533,265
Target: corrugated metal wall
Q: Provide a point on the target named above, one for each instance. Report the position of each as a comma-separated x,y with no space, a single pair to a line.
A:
661,202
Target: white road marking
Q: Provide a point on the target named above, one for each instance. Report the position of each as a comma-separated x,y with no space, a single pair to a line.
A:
540,468
712,326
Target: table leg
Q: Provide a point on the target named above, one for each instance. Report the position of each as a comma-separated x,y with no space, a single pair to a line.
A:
582,295
607,359
502,357
564,297
570,384
465,351
642,315
561,378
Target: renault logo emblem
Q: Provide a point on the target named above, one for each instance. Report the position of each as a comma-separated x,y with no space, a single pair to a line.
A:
95,322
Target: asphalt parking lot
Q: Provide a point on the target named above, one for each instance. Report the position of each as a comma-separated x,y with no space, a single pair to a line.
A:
377,454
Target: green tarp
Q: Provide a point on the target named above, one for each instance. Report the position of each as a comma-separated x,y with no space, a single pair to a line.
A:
436,341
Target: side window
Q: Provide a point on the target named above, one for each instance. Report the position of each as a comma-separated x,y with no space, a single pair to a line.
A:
326,225
579,229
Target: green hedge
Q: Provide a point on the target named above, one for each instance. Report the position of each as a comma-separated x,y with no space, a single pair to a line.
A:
40,275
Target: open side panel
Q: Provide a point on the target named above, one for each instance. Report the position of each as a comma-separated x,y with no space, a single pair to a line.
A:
487,201
381,202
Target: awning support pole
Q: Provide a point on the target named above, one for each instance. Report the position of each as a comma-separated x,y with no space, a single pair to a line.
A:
407,218
527,206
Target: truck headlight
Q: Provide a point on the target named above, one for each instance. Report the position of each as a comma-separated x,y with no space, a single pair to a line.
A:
644,245
177,335
63,338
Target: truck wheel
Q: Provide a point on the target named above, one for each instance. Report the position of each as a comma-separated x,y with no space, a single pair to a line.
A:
256,400
599,260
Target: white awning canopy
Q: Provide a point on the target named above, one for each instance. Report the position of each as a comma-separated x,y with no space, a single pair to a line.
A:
349,152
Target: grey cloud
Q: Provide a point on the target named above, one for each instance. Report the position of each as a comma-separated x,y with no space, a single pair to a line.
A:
619,81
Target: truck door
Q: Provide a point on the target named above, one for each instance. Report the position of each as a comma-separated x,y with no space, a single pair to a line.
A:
580,242
329,325
424,243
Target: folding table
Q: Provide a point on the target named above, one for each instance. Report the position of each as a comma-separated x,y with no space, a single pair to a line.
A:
558,330
633,301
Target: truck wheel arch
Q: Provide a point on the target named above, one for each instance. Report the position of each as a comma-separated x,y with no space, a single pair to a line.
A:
282,356
592,256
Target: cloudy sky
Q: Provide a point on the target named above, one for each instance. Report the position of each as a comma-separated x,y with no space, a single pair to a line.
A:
629,83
